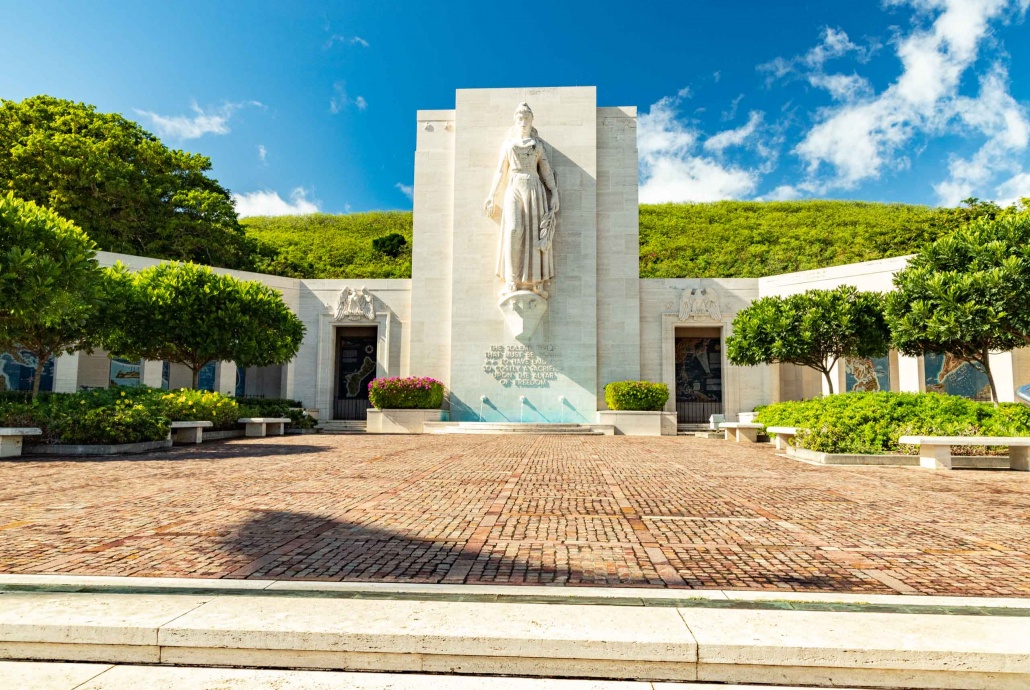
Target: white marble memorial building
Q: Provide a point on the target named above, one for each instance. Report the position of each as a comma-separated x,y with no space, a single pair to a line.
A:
525,297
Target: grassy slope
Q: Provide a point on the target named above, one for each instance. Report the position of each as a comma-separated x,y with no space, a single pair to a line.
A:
740,239
330,246
727,239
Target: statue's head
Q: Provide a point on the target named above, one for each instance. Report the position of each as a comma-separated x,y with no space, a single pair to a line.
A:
523,114
524,120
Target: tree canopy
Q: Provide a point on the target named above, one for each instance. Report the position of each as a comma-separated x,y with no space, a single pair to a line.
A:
50,283
967,294
813,329
129,192
191,315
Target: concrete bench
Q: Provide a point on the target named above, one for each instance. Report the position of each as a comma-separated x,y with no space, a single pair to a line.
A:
189,432
10,439
783,435
742,432
935,451
263,426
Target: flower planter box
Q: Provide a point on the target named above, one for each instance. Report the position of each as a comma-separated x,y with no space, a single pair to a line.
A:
632,423
401,421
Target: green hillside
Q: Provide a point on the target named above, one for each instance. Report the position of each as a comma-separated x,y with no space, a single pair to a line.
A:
330,246
748,239
727,239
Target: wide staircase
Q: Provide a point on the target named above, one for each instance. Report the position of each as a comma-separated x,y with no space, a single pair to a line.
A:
343,426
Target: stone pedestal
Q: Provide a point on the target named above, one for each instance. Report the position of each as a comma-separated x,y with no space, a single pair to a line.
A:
400,421
523,311
634,423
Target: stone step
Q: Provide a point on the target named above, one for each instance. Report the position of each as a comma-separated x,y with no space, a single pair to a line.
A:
677,642
43,675
518,428
343,426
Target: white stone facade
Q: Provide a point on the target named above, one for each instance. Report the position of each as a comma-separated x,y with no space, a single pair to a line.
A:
602,322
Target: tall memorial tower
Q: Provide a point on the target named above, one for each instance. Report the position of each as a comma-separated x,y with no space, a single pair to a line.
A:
525,294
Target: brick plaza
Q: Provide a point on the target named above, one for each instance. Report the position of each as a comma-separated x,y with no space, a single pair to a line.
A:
544,510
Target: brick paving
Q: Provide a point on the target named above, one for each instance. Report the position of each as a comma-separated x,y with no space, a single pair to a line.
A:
612,511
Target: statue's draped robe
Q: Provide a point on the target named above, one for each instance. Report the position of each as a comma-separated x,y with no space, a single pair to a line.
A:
526,176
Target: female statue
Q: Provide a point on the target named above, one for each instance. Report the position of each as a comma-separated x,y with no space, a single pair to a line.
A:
525,259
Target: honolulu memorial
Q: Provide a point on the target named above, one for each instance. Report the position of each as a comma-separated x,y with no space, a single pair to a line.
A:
525,298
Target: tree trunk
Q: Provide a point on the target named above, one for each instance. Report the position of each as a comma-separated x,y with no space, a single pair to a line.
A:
196,376
829,381
40,363
986,364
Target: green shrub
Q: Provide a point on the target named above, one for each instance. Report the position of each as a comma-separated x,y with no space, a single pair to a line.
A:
137,413
124,423
636,395
412,393
872,423
187,405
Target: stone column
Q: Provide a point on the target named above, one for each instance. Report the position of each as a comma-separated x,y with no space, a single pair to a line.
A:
66,373
225,378
911,378
1003,367
151,373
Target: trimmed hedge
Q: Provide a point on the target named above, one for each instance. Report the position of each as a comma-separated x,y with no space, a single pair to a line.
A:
411,393
872,423
643,396
132,415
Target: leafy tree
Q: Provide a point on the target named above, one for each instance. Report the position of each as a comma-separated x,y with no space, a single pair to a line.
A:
128,191
967,294
813,329
49,283
389,245
191,315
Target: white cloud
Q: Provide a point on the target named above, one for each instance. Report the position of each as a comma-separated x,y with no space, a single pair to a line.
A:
212,121
269,203
671,170
340,100
866,134
784,192
344,40
1005,123
1015,188
406,189
834,44
740,136
842,87
262,152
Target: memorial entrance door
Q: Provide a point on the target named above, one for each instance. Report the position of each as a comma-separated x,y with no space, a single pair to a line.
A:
698,374
355,369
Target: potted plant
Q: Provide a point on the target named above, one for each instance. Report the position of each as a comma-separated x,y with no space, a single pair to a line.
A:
637,408
404,405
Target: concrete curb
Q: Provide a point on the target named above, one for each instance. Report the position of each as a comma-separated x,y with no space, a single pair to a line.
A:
896,650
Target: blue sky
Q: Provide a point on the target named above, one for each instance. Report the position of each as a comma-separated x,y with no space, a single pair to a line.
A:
307,106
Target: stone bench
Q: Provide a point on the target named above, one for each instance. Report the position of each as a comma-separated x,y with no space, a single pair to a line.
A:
742,432
783,434
189,432
10,439
263,426
935,451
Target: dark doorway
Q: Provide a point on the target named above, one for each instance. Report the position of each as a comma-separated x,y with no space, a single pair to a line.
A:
698,374
355,369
